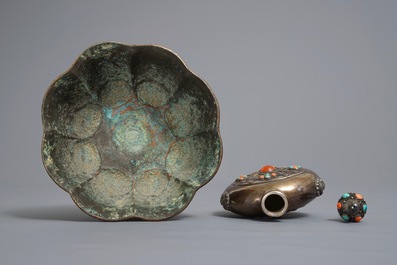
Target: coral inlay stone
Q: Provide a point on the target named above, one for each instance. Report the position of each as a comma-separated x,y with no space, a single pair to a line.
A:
352,207
267,168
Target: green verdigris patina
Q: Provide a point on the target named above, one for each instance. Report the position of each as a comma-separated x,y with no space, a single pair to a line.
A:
130,132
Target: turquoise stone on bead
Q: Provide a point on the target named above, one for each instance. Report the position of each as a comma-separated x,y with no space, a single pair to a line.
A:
346,195
365,208
345,217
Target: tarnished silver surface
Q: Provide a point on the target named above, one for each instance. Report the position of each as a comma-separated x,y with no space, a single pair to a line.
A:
130,132
272,191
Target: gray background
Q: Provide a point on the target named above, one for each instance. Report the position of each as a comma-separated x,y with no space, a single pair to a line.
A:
298,82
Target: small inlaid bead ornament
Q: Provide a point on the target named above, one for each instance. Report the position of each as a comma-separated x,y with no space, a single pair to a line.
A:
352,207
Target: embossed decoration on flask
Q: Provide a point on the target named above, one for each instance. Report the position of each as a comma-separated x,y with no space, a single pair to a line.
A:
272,191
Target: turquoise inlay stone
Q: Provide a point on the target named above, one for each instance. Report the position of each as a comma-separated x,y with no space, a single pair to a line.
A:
267,175
345,217
365,208
346,195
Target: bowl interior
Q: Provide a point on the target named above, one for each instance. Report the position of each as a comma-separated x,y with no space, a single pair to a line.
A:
130,133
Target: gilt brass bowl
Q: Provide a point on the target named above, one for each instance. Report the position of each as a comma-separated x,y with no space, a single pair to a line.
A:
130,132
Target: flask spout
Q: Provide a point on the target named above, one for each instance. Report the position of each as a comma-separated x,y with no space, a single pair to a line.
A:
274,204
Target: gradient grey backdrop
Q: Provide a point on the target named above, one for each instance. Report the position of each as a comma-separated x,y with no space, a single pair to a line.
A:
298,82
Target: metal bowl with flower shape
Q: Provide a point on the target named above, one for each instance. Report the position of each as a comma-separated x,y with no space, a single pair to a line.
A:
130,132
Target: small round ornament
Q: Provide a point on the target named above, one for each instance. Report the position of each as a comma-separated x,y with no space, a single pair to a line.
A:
352,207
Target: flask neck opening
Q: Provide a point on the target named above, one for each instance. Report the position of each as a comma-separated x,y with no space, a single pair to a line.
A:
274,204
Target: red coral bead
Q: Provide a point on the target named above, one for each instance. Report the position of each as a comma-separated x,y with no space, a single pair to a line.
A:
267,168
